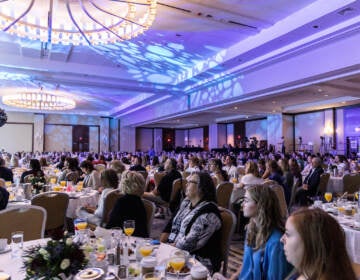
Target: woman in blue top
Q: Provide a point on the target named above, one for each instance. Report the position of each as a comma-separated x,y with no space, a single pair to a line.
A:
263,253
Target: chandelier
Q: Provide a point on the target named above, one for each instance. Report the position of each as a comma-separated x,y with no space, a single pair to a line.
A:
39,100
77,22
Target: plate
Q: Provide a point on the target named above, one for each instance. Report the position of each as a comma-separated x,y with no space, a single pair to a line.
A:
90,274
7,249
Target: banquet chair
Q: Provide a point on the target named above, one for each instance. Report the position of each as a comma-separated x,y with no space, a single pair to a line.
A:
55,204
2,182
351,183
324,180
157,177
227,231
109,203
30,219
223,194
150,212
295,186
178,188
279,191
99,167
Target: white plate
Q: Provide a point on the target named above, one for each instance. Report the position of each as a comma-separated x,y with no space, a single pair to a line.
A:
7,249
98,273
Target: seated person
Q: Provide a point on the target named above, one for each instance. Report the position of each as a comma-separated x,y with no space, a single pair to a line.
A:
4,198
311,183
91,175
137,164
70,170
161,194
109,182
264,256
315,244
35,170
217,173
130,206
196,226
5,173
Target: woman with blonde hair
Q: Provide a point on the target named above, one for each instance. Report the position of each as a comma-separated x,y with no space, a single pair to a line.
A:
263,252
130,206
314,243
252,176
118,166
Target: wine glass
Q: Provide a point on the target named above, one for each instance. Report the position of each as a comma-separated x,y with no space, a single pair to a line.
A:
328,196
129,228
177,262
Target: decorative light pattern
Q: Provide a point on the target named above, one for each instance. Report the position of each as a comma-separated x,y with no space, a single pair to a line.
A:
77,22
39,100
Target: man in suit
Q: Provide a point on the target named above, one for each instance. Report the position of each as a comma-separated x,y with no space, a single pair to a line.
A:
311,183
5,173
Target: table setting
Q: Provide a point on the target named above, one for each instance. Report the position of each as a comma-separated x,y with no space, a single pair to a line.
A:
100,254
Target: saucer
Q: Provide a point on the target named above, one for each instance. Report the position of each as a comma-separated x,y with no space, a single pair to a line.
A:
90,274
7,249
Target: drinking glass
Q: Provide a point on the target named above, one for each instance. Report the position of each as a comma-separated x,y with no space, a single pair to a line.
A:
129,228
17,239
63,183
328,196
145,249
177,262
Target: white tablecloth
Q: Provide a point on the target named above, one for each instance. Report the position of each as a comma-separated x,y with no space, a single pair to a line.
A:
352,238
75,201
13,266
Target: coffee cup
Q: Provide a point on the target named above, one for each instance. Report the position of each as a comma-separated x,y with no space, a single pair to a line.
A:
3,244
148,264
199,272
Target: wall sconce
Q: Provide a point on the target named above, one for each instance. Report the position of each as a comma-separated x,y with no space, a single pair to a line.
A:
328,129
357,129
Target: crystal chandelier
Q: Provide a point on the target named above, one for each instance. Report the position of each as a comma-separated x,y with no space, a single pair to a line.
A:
77,22
39,100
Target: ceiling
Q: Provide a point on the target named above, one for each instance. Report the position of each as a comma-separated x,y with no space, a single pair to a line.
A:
190,44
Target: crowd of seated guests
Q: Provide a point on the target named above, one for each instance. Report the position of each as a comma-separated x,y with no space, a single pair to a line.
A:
196,222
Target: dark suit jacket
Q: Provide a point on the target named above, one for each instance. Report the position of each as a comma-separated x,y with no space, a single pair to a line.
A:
137,167
129,207
4,198
313,180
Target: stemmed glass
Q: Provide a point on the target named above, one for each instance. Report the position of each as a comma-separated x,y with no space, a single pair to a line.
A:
129,228
328,196
177,262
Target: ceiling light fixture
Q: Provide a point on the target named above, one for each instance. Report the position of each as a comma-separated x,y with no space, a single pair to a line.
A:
77,22
39,100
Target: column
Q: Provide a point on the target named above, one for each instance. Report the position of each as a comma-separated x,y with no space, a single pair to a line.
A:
279,125
38,132
217,135
158,140
104,134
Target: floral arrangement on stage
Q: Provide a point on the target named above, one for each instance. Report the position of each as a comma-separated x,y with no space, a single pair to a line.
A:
57,260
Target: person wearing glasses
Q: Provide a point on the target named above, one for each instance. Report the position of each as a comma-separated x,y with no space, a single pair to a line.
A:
196,226
264,256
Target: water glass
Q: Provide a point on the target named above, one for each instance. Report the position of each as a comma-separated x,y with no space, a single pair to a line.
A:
17,240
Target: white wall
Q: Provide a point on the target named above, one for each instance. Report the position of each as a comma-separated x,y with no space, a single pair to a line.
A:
58,138
16,137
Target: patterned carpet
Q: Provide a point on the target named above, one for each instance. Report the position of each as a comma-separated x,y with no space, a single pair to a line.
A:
236,247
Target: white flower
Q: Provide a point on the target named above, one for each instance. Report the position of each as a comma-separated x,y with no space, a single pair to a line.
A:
64,264
44,253
69,241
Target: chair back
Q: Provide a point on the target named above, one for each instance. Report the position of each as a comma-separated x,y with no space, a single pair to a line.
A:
100,167
55,204
227,231
2,182
351,183
150,212
178,186
324,180
295,186
30,219
279,191
223,194
109,203
158,176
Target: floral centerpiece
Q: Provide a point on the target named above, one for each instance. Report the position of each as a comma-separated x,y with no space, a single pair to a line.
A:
57,260
37,183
